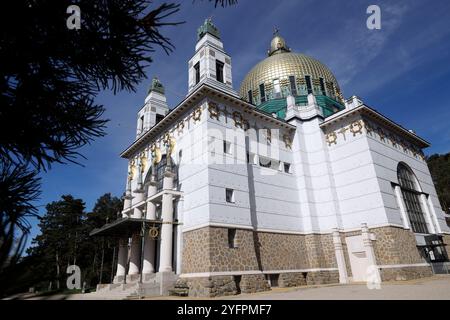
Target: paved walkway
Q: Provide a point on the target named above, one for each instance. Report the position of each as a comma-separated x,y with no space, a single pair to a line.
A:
434,288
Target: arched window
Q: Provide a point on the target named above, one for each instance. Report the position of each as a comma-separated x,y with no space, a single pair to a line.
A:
411,196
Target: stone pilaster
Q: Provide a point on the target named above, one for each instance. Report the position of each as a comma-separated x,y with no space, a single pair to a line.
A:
180,213
374,272
340,259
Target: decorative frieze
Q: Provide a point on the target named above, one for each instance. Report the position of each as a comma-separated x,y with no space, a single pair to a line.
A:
213,110
238,119
383,135
180,127
197,114
356,127
331,138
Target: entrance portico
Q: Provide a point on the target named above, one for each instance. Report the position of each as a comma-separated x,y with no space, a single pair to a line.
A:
145,243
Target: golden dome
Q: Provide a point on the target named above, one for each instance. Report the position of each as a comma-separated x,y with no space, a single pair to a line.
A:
285,66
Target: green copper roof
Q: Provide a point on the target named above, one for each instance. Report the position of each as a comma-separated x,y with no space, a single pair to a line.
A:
207,27
156,86
278,106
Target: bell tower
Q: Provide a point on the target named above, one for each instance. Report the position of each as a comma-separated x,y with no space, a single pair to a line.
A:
210,63
154,109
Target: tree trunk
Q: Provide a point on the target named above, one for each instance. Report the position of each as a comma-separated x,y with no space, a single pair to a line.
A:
112,266
101,264
57,270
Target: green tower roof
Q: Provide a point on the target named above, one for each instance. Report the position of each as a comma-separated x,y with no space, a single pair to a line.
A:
207,27
156,86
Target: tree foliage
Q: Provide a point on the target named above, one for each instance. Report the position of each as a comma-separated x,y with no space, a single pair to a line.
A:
52,73
439,166
49,78
19,187
64,240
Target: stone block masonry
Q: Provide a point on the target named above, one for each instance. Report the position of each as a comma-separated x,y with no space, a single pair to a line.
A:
211,268
207,251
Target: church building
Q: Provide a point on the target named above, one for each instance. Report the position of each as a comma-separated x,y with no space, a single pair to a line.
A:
282,183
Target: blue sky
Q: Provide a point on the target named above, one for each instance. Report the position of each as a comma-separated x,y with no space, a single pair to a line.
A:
402,70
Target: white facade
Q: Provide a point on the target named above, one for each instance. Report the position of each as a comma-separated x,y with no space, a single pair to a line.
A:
325,174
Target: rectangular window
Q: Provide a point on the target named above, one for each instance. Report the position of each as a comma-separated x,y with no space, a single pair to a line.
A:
273,279
322,86
141,123
262,93
159,117
308,84
250,96
287,167
226,147
232,238
197,72
229,195
219,71
276,88
293,86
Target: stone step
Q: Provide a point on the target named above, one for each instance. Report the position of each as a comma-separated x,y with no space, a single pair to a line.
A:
153,285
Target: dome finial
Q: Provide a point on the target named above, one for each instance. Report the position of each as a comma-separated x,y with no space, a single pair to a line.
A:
278,44
275,31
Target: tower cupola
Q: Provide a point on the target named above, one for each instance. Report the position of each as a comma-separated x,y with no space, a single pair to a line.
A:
210,63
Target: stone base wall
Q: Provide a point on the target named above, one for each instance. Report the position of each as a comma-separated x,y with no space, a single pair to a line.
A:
207,250
226,285
395,245
283,251
295,279
251,283
322,277
195,254
292,279
446,239
211,286
407,273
